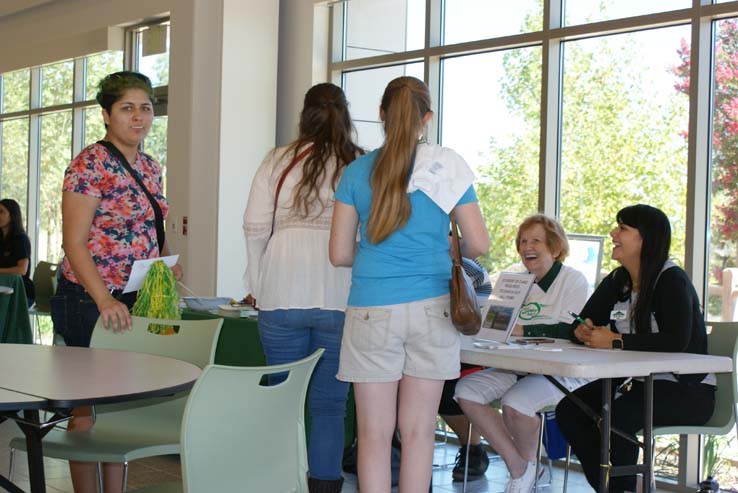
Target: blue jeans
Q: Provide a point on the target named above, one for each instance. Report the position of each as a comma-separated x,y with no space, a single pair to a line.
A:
290,335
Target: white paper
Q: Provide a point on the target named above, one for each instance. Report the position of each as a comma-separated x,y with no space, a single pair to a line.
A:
500,313
141,268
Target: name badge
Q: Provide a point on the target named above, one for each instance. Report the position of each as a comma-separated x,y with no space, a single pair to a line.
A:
618,315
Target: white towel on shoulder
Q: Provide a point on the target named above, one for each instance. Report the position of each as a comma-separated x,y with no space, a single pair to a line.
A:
441,174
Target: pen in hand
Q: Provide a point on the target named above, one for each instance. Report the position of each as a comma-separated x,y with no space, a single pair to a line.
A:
578,318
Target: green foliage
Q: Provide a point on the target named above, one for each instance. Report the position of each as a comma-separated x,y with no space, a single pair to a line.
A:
16,88
56,152
57,82
715,458
14,164
619,145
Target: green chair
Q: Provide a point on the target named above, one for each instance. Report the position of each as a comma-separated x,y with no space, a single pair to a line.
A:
44,285
137,429
721,341
240,435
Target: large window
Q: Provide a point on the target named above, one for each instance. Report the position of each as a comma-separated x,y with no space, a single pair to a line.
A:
14,162
491,116
364,89
576,108
621,131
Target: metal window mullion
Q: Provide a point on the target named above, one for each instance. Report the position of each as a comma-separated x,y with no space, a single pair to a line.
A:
698,193
34,162
129,50
78,114
434,79
698,151
549,174
434,23
329,47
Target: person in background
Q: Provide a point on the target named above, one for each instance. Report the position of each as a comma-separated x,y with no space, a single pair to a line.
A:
558,289
300,295
108,221
399,344
449,409
15,254
661,313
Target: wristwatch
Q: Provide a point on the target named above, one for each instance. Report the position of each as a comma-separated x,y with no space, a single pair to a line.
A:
617,344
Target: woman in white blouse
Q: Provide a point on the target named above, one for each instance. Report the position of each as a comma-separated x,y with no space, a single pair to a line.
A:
301,297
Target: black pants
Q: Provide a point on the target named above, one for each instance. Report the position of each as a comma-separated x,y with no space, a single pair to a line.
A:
673,404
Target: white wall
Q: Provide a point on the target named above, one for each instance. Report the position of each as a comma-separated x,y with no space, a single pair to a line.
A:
211,106
248,102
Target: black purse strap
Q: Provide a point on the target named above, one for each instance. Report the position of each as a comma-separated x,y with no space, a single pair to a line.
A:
158,216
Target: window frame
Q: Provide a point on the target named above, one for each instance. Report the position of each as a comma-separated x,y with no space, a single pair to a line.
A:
700,17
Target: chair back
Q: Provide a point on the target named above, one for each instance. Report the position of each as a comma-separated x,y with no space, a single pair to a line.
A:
241,435
723,341
44,284
194,342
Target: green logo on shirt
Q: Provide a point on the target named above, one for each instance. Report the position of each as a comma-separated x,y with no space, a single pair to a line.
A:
530,311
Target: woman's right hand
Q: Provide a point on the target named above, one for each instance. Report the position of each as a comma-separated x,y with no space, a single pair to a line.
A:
115,315
584,332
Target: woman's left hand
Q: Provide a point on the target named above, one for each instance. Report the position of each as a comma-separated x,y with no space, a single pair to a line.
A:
178,272
601,338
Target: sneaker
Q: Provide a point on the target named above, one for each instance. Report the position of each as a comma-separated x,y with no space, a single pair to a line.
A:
523,484
478,463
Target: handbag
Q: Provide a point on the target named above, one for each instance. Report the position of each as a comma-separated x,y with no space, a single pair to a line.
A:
465,312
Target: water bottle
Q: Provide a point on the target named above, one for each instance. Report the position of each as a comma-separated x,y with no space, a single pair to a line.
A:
709,485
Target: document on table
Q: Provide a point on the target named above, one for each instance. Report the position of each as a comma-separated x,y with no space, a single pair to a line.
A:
141,268
501,311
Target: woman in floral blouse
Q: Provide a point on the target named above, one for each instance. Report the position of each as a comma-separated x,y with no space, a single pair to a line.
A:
109,221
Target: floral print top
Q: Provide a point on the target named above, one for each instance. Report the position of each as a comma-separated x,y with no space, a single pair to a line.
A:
124,227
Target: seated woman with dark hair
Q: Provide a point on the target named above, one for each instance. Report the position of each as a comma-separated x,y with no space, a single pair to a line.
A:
647,304
15,247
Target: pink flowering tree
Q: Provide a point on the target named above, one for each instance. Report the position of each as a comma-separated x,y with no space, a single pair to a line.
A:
724,227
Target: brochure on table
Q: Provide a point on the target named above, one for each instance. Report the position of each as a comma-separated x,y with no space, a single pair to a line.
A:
500,313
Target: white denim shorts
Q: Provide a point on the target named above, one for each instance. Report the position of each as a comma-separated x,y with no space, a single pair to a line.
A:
383,343
527,395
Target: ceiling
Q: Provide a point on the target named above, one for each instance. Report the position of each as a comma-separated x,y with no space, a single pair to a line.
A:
10,7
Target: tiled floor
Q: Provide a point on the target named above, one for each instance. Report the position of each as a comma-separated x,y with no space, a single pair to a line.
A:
162,469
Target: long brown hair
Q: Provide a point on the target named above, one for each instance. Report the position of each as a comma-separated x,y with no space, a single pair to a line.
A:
325,123
405,102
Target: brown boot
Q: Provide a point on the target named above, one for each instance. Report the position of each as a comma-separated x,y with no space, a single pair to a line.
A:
325,485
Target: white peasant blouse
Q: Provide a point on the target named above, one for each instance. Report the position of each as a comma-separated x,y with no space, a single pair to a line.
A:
291,269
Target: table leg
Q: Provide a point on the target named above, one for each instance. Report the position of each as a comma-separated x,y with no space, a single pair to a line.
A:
33,433
648,434
6,485
605,434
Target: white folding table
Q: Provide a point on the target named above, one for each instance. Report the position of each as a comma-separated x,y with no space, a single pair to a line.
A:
58,378
566,359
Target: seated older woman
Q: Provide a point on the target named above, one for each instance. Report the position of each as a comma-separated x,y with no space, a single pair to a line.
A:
542,246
